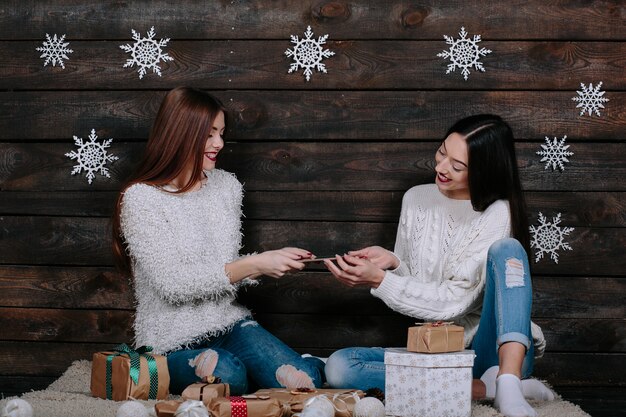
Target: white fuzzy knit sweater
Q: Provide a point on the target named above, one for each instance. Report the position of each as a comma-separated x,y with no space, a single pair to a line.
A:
442,246
179,244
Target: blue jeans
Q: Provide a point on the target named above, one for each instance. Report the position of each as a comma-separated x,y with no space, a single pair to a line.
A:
505,317
246,357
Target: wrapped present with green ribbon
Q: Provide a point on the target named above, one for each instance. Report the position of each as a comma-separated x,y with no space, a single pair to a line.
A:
126,373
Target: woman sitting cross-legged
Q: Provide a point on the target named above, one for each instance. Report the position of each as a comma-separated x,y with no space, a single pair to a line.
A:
461,255
177,228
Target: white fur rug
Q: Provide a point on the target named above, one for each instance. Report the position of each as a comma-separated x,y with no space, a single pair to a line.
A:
69,396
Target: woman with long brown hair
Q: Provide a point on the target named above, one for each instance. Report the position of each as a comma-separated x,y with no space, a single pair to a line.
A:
177,230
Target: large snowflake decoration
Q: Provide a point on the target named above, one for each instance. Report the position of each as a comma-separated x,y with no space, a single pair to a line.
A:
91,156
54,50
308,53
548,237
464,53
590,99
555,153
146,53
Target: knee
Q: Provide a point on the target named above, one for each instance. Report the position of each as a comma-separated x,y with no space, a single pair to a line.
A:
338,367
507,247
231,370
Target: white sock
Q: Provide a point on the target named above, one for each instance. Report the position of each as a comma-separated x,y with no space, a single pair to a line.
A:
532,389
510,398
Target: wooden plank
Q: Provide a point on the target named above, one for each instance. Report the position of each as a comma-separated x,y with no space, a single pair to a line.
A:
64,287
318,115
295,329
596,209
44,359
52,359
376,19
17,385
64,325
597,401
316,292
307,292
86,241
292,166
404,65
582,369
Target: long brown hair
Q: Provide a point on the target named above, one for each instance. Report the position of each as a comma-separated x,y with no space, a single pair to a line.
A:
176,142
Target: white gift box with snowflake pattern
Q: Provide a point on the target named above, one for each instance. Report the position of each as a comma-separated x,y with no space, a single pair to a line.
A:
428,384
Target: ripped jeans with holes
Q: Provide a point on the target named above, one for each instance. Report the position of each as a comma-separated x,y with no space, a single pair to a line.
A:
507,304
247,357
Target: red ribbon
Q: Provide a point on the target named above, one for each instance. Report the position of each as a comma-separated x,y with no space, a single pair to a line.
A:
238,407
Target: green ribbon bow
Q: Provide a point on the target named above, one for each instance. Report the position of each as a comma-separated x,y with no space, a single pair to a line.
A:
135,367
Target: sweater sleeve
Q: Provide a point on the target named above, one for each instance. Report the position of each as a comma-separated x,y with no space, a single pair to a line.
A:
463,280
166,262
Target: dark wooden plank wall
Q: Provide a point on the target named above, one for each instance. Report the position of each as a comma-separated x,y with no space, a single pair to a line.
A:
325,163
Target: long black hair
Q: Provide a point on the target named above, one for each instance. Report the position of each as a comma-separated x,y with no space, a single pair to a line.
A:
492,169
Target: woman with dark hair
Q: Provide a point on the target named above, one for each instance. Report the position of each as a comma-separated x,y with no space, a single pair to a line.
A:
460,255
177,230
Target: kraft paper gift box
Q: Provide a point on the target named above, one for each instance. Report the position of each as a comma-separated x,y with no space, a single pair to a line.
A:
427,384
125,373
435,338
167,408
343,399
247,407
203,391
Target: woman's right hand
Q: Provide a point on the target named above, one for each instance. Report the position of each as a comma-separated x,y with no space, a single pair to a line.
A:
377,255
276,263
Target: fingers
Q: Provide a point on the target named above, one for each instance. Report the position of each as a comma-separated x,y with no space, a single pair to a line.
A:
338,273
296,253
361,253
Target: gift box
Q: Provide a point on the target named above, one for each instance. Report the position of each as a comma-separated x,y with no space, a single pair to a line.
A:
420,384
247,407
435,338
167,408
343,400
125,373
203,391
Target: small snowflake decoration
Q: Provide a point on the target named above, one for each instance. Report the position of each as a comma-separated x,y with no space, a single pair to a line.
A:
146,53
555,153
308,53
54,50
464,53
91,156
549,237
590,99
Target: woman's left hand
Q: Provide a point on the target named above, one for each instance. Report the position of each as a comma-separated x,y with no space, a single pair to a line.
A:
354,271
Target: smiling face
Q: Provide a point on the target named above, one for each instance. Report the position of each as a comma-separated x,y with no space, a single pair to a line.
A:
214,142
451,169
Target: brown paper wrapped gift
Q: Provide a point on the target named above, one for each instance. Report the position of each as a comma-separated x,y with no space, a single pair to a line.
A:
344,400
167,408
248,407
435,337
203,391
122,371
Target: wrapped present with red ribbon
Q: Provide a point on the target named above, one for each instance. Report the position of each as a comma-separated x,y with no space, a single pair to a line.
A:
126,373
247,407
203,391
437,337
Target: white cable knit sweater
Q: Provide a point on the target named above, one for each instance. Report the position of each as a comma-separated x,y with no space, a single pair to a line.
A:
179,244
442,246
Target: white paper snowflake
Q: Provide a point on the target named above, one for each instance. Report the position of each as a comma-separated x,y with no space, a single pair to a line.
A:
548,237
54,50
590,99
555,153
146,53
308,53
464,53
91,156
